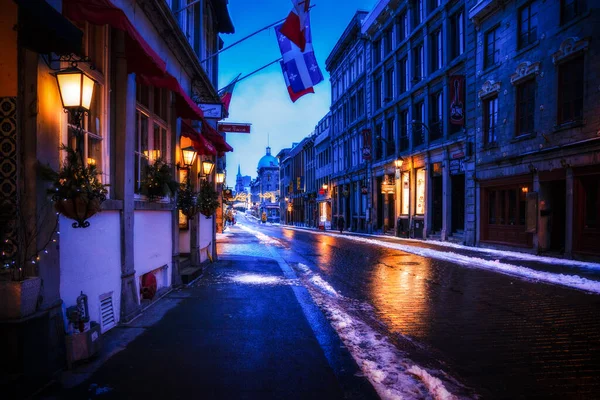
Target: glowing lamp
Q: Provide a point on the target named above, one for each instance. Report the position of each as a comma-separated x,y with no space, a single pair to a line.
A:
207,167
76,89
220,177
398,162
188,156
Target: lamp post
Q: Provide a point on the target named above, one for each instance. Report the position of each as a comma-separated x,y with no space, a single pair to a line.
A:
415,122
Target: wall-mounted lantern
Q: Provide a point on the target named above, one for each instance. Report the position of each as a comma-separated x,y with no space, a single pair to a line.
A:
76,90
206,168
188,156
220,177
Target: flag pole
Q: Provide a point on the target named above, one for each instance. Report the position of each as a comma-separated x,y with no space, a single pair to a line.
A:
253,72
245,38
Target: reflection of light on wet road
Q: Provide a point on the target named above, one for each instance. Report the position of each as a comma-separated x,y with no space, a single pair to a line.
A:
399,290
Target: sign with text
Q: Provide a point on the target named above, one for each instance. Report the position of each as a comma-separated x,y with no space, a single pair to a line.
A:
234,128
212,110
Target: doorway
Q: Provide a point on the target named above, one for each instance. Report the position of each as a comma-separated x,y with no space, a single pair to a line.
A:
379,204
436,206
557,217
458,203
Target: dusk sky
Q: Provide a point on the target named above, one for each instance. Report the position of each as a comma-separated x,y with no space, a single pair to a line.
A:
262,99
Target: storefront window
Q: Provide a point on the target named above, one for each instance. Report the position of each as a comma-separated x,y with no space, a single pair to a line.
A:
592,203
405,193
420,194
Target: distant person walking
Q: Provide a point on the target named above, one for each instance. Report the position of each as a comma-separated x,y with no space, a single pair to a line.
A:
341,223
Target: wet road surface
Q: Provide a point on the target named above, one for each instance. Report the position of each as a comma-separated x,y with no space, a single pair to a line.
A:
503,336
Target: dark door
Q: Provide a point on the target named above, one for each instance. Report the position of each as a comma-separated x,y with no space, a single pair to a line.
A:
558,215
458,203
379,204
437,196
391,214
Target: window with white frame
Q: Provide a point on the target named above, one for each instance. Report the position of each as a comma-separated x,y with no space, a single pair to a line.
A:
95,121
152,133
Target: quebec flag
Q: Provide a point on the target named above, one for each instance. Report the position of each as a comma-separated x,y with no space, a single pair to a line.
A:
300,66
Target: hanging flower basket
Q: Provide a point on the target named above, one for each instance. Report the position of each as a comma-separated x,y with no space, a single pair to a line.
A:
208,199
76,190
364,190
78,208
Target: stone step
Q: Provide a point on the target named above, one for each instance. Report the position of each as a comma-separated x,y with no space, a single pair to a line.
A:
189,273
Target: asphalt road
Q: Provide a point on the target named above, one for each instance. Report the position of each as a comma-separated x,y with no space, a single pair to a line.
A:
505,337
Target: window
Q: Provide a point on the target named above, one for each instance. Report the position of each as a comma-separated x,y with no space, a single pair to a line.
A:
405,193
490,120
377,89
377,52
94,122
435,4
525,107
491,49
419,70
436,50
390,145
360,98
378,143
570,9
436,119
417,127
389,85
388,41
403,75
403,124
570,91
527,25
420,192
402,32
507,206
419,11
457,34
353,108
152,133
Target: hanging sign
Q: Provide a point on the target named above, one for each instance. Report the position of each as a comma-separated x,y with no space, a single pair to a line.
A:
457,107
234,128
366,144
212,110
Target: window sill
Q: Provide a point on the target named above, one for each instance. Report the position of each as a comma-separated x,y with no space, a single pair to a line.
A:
490,146
527,48
491,68
112,205
574,21
568,125
153,206
525,136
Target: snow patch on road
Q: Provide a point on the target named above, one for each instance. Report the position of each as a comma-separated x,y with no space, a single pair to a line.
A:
257,279
261,236
393,375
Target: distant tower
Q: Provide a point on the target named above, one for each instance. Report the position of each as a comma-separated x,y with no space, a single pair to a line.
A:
239,181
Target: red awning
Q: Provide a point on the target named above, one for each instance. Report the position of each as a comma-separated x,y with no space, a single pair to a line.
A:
202,145
219,141
141,58
185,106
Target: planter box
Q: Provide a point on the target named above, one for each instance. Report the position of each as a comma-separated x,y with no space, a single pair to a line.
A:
19,299
83,345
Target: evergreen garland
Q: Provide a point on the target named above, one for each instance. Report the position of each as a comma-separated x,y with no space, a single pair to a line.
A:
208,199
159,181
187,199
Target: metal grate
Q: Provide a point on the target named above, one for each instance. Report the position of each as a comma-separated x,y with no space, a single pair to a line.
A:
107,313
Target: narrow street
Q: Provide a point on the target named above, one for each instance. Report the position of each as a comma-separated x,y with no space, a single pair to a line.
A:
503,336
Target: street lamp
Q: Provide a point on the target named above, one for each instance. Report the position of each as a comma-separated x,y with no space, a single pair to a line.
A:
398,162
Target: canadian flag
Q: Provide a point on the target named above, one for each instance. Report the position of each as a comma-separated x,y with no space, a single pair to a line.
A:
295,23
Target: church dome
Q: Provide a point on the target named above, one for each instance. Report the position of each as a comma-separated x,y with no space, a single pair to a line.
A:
268,161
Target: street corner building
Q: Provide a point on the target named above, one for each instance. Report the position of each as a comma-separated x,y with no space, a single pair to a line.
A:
467,121
122,84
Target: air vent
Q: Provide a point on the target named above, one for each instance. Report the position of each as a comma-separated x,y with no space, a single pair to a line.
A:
107,315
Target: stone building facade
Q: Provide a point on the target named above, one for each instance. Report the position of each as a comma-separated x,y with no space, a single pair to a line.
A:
418,67
537,122
347,67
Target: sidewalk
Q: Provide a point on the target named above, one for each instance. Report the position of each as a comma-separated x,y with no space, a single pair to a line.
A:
554,265
241,331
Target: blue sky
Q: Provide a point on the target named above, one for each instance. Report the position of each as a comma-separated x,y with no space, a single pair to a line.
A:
262,99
